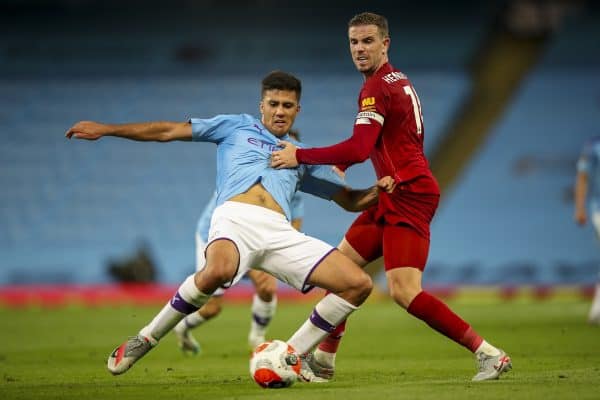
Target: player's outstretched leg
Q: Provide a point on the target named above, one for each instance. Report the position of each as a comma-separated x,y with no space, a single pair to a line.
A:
123,357
405,289
186,300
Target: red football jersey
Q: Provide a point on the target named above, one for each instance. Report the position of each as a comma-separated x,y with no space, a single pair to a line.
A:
389,98
389,130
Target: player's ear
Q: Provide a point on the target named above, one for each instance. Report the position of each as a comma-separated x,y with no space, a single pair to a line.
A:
386,43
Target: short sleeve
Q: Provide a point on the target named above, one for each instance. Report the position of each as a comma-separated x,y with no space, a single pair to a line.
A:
214,129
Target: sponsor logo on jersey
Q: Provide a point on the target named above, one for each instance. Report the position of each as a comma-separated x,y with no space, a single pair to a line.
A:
367,101
393,77
365,117
367,104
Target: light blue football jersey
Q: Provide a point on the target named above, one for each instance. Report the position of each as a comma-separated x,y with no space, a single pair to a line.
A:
204,221
589,162
244,148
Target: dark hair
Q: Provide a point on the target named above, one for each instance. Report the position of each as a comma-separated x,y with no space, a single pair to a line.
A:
279,80
368,18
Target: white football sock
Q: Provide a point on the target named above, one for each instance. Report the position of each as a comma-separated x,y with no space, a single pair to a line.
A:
325,358
262,312
327,314
195,319
594,315
187,300
487,348
191,321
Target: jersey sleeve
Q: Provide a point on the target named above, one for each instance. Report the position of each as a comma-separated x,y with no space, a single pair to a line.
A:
321,181
353,150
372,105
367,128
214,129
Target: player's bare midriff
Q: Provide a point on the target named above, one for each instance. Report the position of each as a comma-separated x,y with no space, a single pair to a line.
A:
257,195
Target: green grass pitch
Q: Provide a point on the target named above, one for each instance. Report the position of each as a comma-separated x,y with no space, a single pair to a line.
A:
61,354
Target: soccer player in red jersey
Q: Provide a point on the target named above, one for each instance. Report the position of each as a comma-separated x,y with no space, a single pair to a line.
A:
389,130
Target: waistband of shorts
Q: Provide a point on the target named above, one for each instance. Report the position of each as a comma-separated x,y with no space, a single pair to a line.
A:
251,208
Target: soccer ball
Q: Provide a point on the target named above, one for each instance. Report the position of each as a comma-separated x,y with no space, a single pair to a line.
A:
274,364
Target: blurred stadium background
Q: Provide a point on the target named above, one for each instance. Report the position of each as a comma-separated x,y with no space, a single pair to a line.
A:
510,90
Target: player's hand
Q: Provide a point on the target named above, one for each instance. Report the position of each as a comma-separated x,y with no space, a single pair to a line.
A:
87,130
286,157
580,217
386,184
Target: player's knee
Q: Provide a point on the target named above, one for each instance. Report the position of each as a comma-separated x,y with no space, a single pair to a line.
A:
266,290
213,276
211,309
403,294
362,286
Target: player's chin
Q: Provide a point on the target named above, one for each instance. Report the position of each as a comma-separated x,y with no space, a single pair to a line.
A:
280,130
362,67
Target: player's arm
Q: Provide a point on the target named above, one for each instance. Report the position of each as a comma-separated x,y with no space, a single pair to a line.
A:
581,189
160,131
353,150
358,200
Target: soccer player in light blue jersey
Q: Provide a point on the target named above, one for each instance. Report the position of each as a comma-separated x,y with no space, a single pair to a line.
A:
250,226
264,300
587,186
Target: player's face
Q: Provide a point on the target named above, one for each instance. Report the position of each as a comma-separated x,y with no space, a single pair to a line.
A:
368,48
279,109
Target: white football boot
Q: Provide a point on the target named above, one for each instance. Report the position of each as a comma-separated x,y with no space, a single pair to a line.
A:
491,367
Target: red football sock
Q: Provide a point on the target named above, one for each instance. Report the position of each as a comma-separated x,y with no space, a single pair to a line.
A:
331,343
437,315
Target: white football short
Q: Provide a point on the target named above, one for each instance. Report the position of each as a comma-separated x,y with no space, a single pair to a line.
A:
267,241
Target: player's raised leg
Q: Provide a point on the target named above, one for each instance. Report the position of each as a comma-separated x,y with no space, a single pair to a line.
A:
222,261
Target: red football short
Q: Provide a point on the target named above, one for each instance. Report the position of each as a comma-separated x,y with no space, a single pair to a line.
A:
400,245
